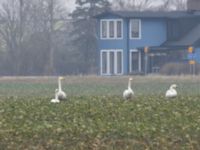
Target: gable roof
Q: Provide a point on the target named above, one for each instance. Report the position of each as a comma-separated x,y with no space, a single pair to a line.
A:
151,14
191,38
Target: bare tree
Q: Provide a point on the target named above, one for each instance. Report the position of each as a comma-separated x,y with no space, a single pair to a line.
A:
165,6
54,13
12,16
140,5
180,4
168,5
29,29
137,5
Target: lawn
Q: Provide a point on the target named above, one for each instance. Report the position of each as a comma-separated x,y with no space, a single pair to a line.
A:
96,117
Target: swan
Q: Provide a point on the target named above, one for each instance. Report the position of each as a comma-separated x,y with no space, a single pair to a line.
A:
128,93
171,92
56,100
61,94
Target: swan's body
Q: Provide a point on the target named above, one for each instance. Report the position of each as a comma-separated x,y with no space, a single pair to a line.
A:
171,92
61,94
128,93
56,100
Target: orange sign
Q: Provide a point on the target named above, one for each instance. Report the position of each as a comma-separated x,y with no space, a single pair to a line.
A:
192,62
146,49
190,49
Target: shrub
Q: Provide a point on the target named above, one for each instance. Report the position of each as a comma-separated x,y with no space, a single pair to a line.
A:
178,69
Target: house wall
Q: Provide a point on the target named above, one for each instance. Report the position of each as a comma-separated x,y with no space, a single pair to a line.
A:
153,33
114,43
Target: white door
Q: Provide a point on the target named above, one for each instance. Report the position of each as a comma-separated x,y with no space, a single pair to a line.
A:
111,62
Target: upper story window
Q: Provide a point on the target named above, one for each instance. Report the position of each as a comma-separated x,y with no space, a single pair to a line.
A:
103,29
135,29
111,29
119,29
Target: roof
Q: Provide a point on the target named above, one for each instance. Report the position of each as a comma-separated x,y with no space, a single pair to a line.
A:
165,48
189,39
152,14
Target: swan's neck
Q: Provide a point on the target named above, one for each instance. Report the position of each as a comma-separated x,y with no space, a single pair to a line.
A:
129,84
59,85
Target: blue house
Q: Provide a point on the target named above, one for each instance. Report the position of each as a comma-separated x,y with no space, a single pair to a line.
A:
136,42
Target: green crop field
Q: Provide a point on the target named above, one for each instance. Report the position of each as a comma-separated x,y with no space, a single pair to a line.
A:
96,117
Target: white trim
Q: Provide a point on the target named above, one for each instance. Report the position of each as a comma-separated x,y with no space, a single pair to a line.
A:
108,61
108,30
139,59
130,28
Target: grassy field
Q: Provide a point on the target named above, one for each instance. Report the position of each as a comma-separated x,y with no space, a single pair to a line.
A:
96,117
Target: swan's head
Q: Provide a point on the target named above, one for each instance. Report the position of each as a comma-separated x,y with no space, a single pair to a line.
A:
173,86
60,78
130,79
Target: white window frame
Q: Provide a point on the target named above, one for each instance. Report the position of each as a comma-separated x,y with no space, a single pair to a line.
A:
108,30
139,59
130,28
108,61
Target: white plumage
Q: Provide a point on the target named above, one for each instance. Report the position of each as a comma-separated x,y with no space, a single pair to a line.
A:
56,100
61,94
171,92
128,93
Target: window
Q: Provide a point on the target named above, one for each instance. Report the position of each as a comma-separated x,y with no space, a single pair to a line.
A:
135,61
104,29
104,62
135,28
111,29
119,29
111,62
119,62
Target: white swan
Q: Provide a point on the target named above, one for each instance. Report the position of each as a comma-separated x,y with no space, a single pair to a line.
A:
128,93
171,92
61,94
56,100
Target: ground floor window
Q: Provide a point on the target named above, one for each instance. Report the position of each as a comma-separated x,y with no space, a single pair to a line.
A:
111,62
135,61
